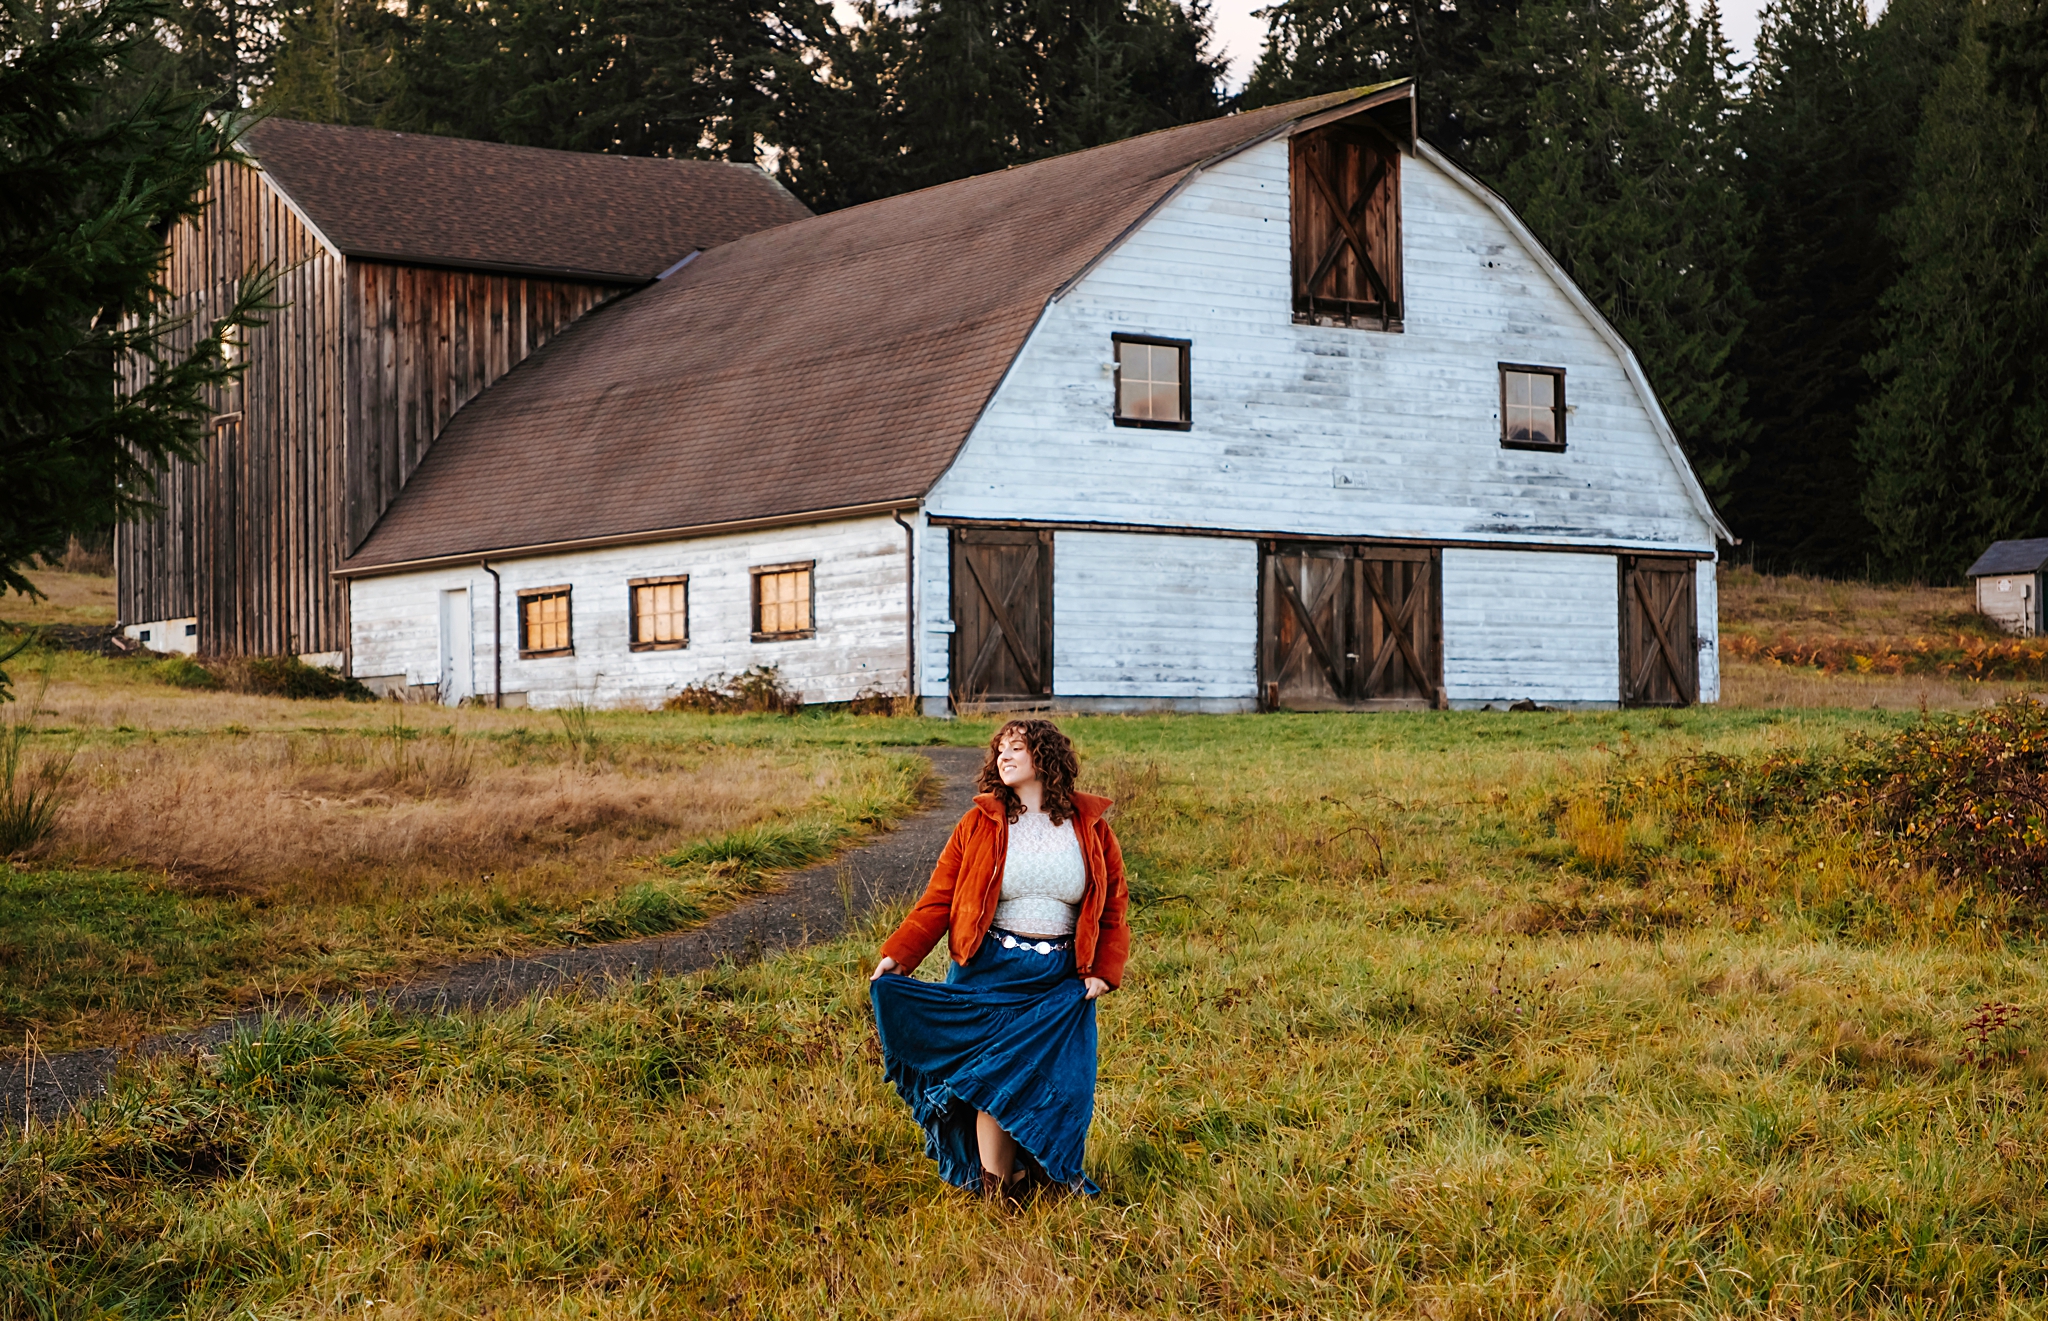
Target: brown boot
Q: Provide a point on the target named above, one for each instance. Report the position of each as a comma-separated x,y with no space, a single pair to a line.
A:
993,1189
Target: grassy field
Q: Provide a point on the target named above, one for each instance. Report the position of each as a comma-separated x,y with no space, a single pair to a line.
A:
1445,1015
1413,1026
215,847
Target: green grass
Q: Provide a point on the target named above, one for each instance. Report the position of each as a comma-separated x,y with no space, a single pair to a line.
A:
115,944
1391,1043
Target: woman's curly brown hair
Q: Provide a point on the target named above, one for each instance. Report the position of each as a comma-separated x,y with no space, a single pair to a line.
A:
1051,754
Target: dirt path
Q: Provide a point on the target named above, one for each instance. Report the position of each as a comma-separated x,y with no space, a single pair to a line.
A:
818,903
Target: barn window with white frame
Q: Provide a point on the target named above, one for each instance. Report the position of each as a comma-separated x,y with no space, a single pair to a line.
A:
661,613
544,623
1531,407
782,601
1152,388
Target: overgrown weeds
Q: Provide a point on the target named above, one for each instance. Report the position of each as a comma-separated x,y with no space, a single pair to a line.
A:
261,676
1962,656
1963,798
758,689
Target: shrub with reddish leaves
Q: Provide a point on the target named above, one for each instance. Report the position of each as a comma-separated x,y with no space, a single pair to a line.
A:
1965,795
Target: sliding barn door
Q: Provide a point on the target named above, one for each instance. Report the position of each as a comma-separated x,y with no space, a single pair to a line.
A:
1660,659
1002,615
1351,628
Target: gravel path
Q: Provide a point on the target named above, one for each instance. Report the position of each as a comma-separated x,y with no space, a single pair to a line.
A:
818,903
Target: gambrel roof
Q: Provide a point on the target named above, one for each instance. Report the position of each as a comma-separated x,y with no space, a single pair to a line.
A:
827,367
833,364
431,201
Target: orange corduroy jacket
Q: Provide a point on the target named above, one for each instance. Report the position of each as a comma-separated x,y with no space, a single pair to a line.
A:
960,900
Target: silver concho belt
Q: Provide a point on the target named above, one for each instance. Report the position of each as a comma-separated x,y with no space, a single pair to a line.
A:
1010,940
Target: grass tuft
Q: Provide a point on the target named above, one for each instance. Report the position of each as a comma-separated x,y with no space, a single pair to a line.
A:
763,847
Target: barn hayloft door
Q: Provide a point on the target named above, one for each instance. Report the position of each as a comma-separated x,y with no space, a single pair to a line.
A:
1002,615
1351,628
1660,659
1345,186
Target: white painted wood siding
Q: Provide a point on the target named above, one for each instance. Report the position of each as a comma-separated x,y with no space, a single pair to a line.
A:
1707,599
2007,599
1322,430
1531,625
860,603
1155,617
935,613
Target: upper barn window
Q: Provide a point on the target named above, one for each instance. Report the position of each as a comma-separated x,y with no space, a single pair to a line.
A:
1151,382
1531,407
1344,182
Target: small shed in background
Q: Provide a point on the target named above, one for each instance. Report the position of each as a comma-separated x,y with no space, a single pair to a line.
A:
2008,578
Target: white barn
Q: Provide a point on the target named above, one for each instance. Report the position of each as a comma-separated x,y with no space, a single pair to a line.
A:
1281,410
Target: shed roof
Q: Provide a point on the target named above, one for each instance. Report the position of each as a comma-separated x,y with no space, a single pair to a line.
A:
2028,556
432,201
831,364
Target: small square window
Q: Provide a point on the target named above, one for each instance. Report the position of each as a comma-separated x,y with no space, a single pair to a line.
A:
782,602
1152,382
661,613
544,622
1531,407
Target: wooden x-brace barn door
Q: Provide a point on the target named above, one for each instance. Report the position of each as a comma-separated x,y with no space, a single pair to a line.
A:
1345,182
1002,614
1350,627
1660,661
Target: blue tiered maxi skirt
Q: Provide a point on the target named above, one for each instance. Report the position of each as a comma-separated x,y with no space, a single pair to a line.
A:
1011,1032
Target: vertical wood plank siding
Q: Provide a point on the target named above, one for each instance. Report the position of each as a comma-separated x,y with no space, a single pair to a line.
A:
244,539
346,386
423,342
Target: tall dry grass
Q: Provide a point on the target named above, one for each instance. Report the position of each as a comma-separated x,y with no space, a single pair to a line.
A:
211,847
358,816
1821,608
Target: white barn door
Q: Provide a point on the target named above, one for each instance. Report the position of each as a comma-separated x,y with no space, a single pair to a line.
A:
457,682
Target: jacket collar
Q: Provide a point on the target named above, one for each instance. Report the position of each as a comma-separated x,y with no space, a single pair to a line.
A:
1088,808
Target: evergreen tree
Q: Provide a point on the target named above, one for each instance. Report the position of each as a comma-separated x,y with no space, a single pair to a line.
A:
1827,138
644,77
86,195
948,88
1956,439
1316,46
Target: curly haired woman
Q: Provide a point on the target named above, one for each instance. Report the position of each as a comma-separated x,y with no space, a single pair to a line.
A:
998,1061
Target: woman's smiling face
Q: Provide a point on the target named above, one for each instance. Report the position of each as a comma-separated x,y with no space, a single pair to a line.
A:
1013,761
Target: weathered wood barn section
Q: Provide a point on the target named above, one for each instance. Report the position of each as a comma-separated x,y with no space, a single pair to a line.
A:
415,271
1280,410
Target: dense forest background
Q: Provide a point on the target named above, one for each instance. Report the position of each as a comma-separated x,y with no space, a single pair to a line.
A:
1833,260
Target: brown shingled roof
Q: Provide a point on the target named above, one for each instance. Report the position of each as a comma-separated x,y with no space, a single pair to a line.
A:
828,364
410,197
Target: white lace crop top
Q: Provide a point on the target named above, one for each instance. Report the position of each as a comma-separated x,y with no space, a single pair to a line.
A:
1043,877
